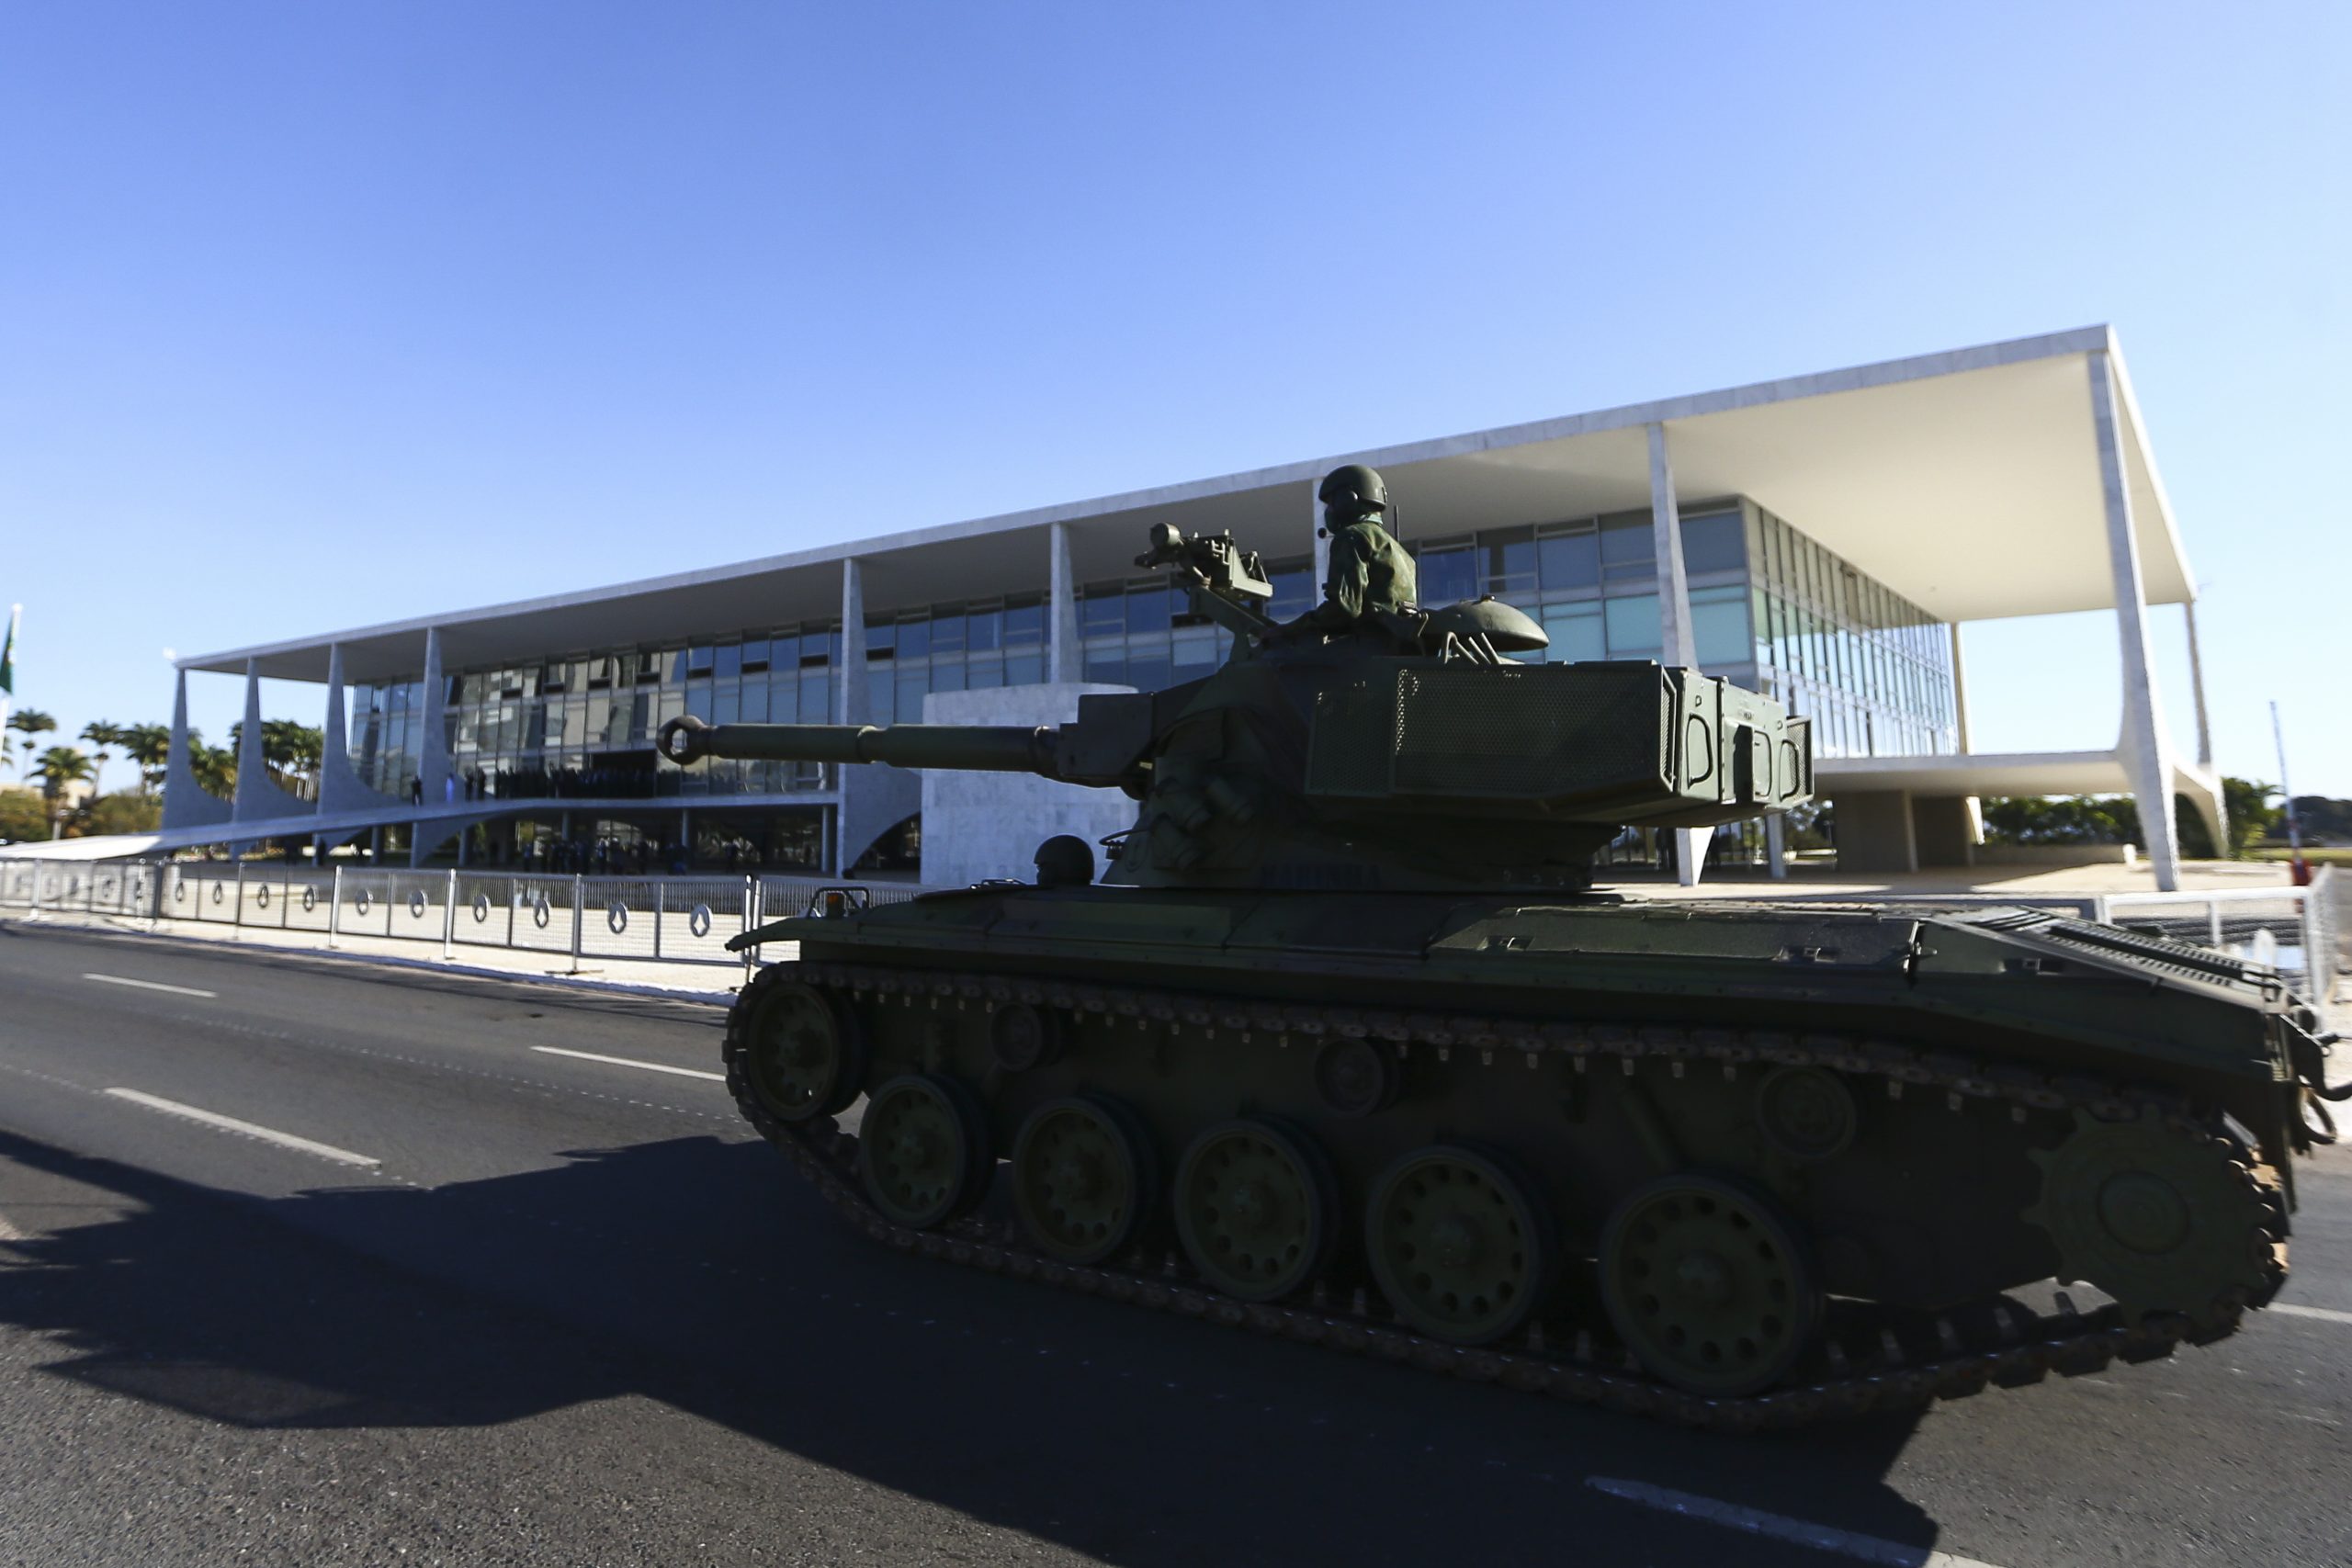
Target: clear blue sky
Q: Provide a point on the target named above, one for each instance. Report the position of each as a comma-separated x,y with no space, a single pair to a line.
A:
317,315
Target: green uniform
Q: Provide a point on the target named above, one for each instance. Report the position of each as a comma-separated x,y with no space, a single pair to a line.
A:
1370,572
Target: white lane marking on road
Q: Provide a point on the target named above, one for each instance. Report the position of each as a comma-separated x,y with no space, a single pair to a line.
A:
1822,1538
230,1124
2324,1315
153,986
624,1062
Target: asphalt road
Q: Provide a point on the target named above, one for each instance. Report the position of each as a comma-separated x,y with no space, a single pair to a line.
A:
570,1312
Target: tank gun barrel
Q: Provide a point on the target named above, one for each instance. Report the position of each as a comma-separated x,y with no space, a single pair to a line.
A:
1070,754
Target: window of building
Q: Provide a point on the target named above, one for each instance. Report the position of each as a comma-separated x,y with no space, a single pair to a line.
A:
1576,632
1509,561
1447,573
1719,624
1628,547
1568,560
1632,626
1713,543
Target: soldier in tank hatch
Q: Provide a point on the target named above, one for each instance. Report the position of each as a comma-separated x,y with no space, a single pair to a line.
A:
1371,574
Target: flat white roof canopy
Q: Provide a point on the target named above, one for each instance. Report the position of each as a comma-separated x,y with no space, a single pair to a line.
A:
1968,482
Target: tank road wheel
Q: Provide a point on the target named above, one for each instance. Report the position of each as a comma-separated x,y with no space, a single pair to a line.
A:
1806,1113
923,1150
1356,1078
1459,1245
1022,1037
1708,1286
1255,1205
1084,1178
2159,1222
799,1054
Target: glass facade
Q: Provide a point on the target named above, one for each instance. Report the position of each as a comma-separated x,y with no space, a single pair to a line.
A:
1871,668
584,727
1770,609
950,647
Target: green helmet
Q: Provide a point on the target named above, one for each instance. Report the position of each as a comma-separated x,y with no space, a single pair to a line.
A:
1353,487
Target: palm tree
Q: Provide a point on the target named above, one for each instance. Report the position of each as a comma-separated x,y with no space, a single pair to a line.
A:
150,746
61,767
30,722
215,767
292,752
101,733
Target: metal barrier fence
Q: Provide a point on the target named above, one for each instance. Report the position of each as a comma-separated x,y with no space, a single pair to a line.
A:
666,919
2306,933
2293,929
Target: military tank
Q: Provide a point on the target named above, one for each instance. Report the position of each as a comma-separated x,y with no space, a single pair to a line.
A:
1345,1046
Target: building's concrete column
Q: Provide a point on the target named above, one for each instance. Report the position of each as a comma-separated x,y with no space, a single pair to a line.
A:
849,684
258,798
339,785
1959,690
186,803
1943,830
1970,806
2196,689
253,768
1064,655
1677,648
2147,755
1874,832
851,692
433,758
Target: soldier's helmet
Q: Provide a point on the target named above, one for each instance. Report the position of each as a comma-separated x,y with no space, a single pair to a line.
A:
1065,861
1352,491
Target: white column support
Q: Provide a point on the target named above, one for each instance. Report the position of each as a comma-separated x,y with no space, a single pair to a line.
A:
252,767
2147,758
1959,689
848,687
1065,656
2197,688
851,690
1776,846
187,804
433,757
1677,648
259,798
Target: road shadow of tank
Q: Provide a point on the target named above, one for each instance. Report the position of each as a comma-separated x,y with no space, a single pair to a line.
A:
696,1271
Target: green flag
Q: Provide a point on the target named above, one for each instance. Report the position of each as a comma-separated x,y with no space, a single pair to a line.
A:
8,651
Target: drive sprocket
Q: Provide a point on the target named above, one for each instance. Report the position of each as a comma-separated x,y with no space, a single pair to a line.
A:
2162,1219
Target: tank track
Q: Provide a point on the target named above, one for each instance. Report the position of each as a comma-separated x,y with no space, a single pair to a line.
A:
2000,1343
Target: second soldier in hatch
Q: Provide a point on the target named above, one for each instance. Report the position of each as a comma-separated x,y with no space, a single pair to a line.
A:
1371,576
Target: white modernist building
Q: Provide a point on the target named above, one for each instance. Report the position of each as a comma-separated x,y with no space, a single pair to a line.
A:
1823,538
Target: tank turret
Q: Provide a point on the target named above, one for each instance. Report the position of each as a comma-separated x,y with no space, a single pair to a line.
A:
1412,752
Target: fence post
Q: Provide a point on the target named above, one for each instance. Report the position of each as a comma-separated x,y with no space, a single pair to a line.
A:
2316,976
335,909
579,892
513,896
449,917
661,898
751,919
237,919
